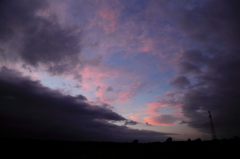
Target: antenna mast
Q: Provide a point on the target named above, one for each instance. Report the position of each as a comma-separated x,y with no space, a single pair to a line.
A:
212,127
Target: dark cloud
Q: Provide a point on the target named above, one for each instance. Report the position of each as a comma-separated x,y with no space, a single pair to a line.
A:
183,122
77,86
148,124
195,57
39,40
213,19
47,42
180,82
216,90
98,88
186,67
214,27
78,77
165,119
109,89
15,15
192,61
30,110
130,122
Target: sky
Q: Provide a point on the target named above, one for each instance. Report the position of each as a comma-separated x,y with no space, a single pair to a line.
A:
119,70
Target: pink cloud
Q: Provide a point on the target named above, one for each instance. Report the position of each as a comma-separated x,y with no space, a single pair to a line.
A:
96,76
179,114
153,106
36,75
147,45
161,120
121,109
169,94
134,118
125,96
110,16
99,79
172,98
136,85
114,96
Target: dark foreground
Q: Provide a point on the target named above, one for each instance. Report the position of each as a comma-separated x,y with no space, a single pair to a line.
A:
16,148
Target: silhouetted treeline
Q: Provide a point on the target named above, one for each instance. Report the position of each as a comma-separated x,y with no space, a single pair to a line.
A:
87,149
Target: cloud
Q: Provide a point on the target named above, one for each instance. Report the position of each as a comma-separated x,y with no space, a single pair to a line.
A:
48,43
217,90
195,57
186,67
183,122
198,41
212,23
153,106
14,16
180,82
109,89
161,120
130,122
31,110
39,41
171,100
212,26
170,95
148,124
122,84
192,61
98,88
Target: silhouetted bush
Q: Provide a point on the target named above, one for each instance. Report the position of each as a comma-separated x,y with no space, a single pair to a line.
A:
135,141
169,140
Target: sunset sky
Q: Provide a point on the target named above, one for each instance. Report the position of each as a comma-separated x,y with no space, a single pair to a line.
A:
119,70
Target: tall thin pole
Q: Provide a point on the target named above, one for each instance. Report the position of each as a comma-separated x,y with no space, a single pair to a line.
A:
212,127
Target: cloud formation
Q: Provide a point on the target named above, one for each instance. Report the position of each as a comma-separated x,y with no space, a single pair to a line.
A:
216,88
186,53
39,41
130,122
180,82
31,110
161,120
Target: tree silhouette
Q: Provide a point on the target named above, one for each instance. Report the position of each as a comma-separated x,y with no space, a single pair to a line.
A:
135,141
169,140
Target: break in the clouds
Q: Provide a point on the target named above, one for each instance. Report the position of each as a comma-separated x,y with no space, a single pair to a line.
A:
186,53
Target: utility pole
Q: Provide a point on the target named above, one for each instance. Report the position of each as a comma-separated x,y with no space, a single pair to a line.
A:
212,127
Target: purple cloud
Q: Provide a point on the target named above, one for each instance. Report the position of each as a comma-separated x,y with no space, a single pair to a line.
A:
180,82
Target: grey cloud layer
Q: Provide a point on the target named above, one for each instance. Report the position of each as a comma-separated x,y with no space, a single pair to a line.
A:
214,66
180,82
38,40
